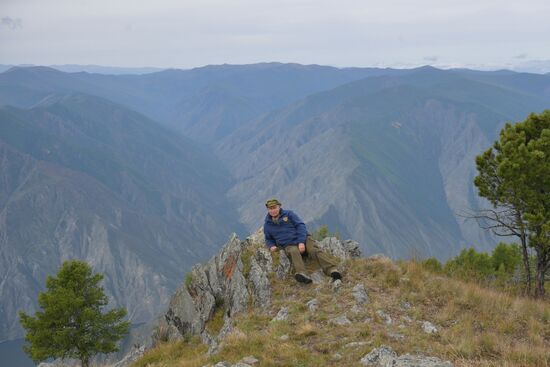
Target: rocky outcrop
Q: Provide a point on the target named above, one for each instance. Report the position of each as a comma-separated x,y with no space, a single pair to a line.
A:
233,281
386,357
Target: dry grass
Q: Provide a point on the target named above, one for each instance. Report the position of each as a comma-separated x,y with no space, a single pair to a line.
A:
477,326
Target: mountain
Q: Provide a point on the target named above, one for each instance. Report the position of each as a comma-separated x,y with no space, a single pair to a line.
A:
95,166
387,160
205,103
86,178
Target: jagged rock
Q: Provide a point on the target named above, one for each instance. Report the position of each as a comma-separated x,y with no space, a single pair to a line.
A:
384,316
342,249
380,357
386,357
336,285
225,282
250,360
429,328
182,314
360,294
260,267
341,320
282,315
222,364
283,267
312,305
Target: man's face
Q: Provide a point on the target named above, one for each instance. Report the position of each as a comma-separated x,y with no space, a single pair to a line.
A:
274,210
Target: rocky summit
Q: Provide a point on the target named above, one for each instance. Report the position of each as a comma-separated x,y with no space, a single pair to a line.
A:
243,282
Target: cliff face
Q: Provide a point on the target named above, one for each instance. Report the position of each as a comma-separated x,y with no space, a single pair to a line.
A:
84,178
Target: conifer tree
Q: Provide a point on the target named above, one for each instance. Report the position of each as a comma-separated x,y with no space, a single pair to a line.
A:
72,323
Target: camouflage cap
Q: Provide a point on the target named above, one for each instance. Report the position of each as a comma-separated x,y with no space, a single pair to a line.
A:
272,202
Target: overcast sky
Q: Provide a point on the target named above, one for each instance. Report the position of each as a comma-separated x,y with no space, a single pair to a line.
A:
184,34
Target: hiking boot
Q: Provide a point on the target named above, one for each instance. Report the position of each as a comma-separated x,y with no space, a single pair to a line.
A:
335,275
302,278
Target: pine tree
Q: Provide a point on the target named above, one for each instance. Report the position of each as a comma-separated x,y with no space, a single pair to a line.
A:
72,323
515,175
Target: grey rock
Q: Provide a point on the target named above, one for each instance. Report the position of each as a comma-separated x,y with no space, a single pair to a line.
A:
342,249
336,285
182,313
260,284
241,364
384,316
218,282
341,320
386,357
282,315
337,356
222,364
250,360
283,267
379,357
284,338
429,328
312,305
221,282
405,306
360,294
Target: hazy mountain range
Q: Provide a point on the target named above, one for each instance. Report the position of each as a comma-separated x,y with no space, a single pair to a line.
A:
144,175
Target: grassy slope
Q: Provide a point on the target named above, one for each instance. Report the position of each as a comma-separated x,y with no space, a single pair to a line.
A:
477,326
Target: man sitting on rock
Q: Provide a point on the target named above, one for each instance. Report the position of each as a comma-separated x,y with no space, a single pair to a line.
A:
284,229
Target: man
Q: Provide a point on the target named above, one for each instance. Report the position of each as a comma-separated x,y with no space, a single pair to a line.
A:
284,229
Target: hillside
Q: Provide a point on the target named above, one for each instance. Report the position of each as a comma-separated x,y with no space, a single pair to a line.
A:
387,160
379,303
85,178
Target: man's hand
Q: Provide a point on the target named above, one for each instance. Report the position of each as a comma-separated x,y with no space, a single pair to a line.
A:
302,248
273,248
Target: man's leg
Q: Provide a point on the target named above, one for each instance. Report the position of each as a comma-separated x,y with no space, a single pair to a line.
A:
327,263
299,268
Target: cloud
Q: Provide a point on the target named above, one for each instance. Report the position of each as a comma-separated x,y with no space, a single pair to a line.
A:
12,23
521,56
431,58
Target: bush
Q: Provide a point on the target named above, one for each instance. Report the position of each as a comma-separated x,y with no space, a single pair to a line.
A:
470,265
432,264
323,232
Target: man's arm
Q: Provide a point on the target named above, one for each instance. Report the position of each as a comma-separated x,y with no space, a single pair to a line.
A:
269,240
301,231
